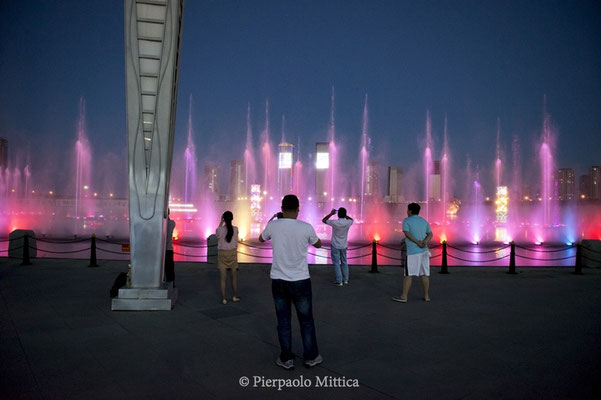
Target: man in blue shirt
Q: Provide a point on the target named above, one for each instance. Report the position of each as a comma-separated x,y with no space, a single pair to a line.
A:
417,236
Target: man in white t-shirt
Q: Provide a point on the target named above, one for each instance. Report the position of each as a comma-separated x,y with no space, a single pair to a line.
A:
290,281
340,228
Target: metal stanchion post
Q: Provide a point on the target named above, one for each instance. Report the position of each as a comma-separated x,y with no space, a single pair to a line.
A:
512,260
93,252
26,260
374,258
444,266
578,266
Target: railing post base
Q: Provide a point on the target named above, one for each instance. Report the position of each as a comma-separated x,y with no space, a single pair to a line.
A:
578,265
374,258
444,266
512,260
26,260
93,253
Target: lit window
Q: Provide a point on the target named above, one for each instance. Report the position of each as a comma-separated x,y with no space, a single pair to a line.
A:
285,160
322,160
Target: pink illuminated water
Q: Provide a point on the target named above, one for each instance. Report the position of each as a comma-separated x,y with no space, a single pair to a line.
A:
364,161
428,164
473,220
333,193
445,179
190,180
83,170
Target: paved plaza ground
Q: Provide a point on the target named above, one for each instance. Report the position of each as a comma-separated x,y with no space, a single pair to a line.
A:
485,334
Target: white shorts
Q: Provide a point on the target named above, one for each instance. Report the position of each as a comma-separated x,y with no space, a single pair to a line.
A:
418,264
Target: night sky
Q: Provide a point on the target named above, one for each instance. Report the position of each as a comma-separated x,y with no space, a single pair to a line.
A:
474,61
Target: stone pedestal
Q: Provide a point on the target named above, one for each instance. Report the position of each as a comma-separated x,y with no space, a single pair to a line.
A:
15,245
591,253
212,249
162,298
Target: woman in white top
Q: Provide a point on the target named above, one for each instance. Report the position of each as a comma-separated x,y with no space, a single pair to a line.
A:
227,254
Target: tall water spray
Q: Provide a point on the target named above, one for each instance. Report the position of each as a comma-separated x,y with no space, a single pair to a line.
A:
269,164
546,162
83,162
190,160
444,166
364,159
250,169
428,164
298,187
332,147
498,162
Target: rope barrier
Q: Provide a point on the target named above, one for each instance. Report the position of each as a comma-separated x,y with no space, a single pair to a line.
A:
109,251
193,246
477,261
390,258
478,252
388,247
253,255
59,252
317,255
546,251
190,255
110,241
546,259
253,246
359,247
60,241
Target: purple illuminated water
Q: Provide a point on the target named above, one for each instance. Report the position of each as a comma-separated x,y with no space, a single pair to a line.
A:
364,161
465,217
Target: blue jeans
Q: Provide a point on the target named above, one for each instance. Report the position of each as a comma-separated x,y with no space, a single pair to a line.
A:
298,293
339,259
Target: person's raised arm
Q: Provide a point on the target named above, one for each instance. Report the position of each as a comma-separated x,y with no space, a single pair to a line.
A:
327,217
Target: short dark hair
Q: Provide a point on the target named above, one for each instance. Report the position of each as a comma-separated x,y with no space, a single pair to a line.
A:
414,208
342,212
290,203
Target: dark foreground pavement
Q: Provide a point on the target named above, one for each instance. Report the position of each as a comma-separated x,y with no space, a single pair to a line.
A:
485,334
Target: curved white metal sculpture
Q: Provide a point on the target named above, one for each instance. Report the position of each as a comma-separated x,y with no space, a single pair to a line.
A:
153,30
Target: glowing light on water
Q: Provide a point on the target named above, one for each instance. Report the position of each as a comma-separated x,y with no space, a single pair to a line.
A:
501,204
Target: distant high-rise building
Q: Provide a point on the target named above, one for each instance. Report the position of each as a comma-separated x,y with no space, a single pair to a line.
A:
595,182
285,163
322,168
434,183
584,186
566,184
395,179
237,179
372,180
211,180
3,153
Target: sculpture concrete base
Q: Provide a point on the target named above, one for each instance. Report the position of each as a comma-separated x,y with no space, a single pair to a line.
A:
146,299
591,253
